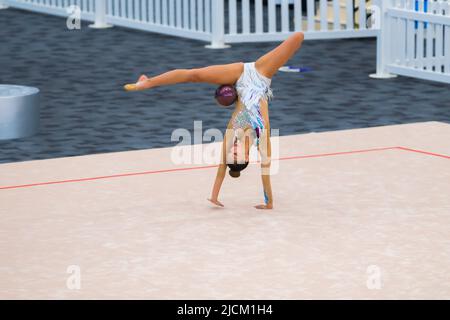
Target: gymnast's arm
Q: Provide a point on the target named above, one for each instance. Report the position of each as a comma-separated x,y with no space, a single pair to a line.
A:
217,184
265,151
219,176
215,74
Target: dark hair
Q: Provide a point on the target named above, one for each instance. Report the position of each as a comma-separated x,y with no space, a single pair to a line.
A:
236,168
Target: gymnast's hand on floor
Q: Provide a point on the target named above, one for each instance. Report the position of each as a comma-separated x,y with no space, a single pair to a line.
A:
264,206
141,84
216,202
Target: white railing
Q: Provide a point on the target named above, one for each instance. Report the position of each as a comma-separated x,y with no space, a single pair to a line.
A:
414,39
184,18
318,19
3,5
55,7
217,21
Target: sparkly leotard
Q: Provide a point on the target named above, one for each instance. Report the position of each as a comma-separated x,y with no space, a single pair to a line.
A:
251,87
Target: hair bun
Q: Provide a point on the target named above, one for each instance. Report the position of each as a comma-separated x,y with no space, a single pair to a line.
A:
234,174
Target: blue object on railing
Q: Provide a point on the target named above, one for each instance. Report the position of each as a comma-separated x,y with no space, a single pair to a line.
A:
425,9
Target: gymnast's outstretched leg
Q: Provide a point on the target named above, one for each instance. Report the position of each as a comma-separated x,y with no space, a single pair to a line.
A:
268,65
215,74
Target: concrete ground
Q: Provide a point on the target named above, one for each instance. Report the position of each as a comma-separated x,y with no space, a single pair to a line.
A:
359,214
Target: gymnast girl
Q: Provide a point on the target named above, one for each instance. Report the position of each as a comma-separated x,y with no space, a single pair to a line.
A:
249,123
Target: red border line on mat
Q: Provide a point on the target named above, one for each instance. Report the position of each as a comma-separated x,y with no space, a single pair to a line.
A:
213,166
425,152
337,153
106,177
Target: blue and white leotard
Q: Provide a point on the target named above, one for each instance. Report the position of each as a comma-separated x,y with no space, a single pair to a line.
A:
251,87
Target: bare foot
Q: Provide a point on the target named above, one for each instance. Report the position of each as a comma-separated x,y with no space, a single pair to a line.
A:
216,202
143,78
130,87
139,85
264,206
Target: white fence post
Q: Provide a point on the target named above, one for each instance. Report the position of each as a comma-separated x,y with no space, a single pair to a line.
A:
218,25
100,15
383,40
3,5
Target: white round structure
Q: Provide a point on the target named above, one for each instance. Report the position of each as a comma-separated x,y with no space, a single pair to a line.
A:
19,111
